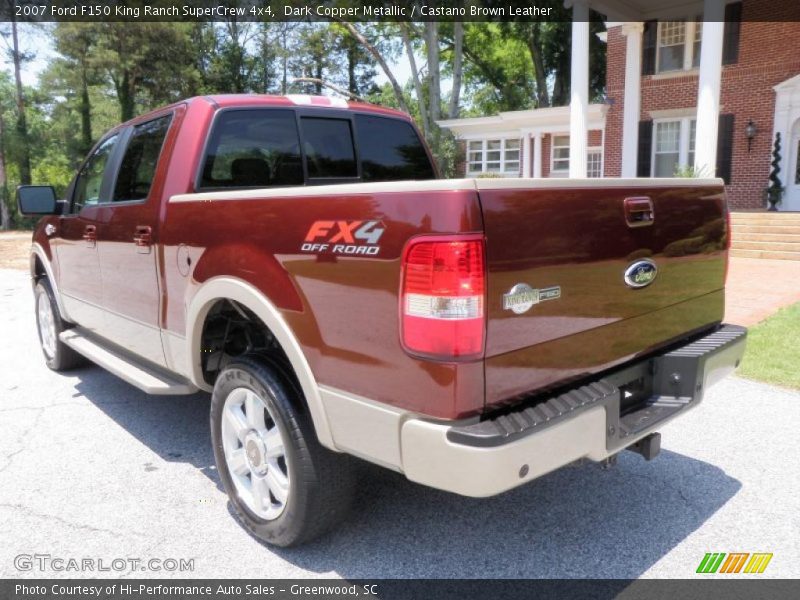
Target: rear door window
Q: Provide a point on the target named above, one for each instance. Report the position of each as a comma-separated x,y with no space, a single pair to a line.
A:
328,146
391,150
253,148
139,164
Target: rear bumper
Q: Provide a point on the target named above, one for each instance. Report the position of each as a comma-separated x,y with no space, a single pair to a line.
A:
594,421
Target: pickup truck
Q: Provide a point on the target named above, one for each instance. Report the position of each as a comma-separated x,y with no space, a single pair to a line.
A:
299,258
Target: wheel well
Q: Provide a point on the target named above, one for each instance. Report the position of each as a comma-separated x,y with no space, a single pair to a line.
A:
231,330
38,269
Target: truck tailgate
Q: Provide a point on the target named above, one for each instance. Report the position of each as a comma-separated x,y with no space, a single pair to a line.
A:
571,243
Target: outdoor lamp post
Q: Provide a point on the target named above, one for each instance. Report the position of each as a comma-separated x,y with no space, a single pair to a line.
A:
750,131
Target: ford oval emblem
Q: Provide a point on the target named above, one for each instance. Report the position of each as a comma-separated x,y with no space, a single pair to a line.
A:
641,273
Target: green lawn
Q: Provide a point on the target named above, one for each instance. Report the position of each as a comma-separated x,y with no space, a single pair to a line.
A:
773,349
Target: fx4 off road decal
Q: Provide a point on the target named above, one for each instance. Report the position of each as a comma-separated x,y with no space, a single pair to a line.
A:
344,237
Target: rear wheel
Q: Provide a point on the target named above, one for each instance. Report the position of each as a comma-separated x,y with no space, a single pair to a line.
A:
57,355
284,486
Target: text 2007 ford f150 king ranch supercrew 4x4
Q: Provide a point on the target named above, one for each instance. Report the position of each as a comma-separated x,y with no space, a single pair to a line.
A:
299,258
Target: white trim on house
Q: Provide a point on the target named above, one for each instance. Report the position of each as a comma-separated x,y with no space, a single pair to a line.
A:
787,123
546,120
673,113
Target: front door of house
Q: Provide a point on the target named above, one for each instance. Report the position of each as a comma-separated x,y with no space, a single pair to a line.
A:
791,199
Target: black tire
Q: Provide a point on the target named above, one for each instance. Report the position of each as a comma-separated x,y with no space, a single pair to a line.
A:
59,357
321,482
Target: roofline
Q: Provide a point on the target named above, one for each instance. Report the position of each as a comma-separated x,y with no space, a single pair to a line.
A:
289,100
552,118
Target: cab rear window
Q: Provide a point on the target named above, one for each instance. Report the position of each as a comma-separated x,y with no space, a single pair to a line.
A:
391,150
328,146
273,147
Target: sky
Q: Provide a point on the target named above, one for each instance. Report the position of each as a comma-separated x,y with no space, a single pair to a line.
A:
35,39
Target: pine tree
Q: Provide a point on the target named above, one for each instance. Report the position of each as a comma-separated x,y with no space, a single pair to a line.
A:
775,189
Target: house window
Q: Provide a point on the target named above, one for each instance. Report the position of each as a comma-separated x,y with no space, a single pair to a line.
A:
594,163
493,156
559,159
475,157
673,145
679,44
560,152
698,39
797,165
511,159
692,139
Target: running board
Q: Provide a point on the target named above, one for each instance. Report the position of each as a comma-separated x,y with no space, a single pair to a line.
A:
145,377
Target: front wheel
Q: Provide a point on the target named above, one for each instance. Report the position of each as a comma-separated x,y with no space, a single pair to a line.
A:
57,355
284,486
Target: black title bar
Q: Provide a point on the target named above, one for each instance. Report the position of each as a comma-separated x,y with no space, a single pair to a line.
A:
343,10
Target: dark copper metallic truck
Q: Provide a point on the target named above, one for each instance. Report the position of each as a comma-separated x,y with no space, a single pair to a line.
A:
299,258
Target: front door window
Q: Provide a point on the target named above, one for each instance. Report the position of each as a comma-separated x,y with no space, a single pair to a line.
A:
90,179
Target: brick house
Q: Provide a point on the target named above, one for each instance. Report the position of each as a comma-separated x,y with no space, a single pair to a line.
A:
734,78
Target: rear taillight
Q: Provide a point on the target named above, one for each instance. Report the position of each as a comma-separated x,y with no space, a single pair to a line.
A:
442,297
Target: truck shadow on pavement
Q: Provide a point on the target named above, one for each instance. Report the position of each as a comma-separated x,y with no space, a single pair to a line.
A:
578,522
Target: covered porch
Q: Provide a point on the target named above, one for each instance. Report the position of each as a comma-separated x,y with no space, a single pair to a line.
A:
528,143
631,16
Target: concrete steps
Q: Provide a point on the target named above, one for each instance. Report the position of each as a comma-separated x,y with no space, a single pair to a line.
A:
765,254
772,235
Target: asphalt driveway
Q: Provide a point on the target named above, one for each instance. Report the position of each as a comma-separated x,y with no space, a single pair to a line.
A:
92,467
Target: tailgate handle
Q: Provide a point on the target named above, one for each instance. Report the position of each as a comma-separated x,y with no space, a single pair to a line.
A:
639,211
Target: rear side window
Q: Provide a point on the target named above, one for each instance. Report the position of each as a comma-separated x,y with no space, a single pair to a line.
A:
139,164
328,146
253,148
391,150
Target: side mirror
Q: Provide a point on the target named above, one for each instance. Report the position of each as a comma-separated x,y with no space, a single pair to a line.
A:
37,200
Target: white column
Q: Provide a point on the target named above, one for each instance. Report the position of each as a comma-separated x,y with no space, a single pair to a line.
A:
633,81
537,154
705,158
579,101
526,154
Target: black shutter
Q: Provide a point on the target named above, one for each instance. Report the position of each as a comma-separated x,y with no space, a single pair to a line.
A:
645,148
733,26
649,40
725,147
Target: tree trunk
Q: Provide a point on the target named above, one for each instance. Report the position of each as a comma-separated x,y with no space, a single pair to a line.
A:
125,96
5,213
458,62
561,88
86,113
22,124
535,49
318,73
398,91
352,61
423,109
434,78
285,74
434,83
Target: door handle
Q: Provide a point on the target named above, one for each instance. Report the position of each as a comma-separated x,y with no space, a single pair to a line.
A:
639,211
90,235
143,239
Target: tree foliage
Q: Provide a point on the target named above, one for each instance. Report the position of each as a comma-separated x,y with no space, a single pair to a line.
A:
102,73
